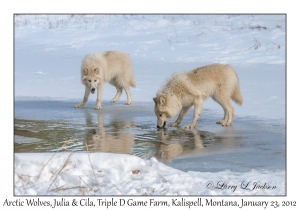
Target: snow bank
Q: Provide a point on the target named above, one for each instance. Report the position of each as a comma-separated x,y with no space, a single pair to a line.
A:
118,174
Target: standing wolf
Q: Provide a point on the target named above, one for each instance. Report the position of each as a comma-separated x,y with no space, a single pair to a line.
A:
186,89
110,66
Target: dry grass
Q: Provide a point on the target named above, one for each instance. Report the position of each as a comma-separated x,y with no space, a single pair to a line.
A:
196,30
274,46
27,180
83,187
67,162
63,147
255,46
95,178
258,27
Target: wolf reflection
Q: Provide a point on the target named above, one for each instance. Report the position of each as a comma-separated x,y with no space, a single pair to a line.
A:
172,144
121,136
115,139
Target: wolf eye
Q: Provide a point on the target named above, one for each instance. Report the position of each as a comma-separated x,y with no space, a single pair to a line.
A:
95,80
90,80
160,115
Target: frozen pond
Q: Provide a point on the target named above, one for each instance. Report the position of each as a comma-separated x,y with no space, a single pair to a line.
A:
51,126
48,50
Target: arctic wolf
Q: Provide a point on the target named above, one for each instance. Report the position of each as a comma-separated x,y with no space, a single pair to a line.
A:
109,66
191,88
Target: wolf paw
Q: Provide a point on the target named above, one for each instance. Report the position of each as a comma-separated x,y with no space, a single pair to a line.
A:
128,103
227,124
98,107
112,101
174,124
223,123
190,126
79,106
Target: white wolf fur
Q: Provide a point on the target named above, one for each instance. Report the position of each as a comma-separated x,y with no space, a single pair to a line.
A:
189,88
109,66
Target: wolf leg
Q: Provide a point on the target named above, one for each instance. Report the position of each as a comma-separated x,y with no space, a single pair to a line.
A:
85,98
117,96
225,118
197,110
228,110
127,90
181,115
99,96
228,115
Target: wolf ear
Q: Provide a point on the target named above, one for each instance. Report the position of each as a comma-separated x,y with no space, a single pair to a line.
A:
85,72
154,99
96,70
162,101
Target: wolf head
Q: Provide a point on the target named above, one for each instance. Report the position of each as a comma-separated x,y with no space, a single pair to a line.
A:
91,78
163,111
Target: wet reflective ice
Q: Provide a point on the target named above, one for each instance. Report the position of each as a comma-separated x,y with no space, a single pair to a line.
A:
51,126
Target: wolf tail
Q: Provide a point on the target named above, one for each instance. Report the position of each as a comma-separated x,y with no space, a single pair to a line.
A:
236,95
132,82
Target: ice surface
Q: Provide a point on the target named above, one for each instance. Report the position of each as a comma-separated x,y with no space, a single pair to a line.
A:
251,143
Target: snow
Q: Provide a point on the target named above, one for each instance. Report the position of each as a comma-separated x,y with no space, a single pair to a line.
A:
159,45
181,43
111,174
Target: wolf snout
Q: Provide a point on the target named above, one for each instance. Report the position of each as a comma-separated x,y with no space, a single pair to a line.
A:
93,90
164,124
